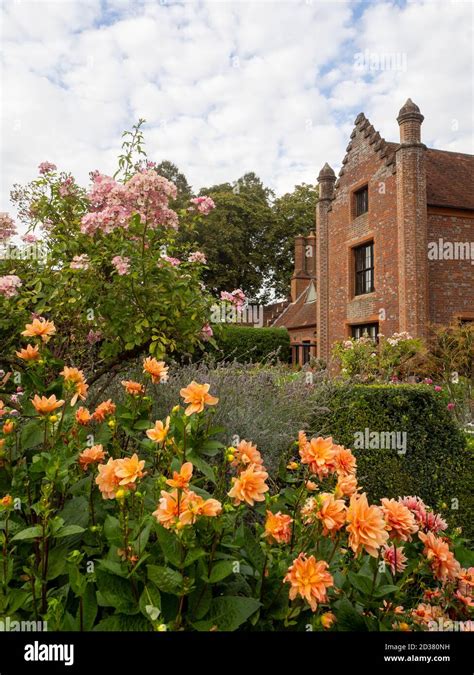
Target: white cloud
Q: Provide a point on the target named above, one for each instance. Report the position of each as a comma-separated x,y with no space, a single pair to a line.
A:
226,87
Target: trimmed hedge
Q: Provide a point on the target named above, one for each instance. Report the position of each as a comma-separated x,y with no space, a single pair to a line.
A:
438,465
246,344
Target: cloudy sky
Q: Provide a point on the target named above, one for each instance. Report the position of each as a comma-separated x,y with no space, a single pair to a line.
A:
226,86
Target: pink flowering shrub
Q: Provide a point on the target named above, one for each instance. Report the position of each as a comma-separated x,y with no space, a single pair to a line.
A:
111,267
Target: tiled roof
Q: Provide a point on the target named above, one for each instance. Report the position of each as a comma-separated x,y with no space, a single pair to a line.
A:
298,314
450,179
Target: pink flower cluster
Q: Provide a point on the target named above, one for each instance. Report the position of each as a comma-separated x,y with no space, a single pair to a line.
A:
203,205
121,264
206,332
94,336
7,227
112,204
46,167
172,261
236,297
197,257
66,188
29,238
80,262
425,518
9,285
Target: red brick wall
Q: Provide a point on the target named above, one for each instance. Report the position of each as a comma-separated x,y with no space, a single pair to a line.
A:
451,282
364,164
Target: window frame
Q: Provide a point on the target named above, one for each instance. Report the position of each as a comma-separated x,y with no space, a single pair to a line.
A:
363,327
361,200
364,269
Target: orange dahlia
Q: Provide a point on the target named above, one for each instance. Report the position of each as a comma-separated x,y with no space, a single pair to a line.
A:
156,369
30,353
443,563
168,509
194,505
107,479
92,455
332,514
182,478
44,405
83,416
197,396
40,328
346,486
309,579
344,461
103,409
278,527
250,486
159,432
133,388
76,377
129,469
400,520
367,527
319,454
246,453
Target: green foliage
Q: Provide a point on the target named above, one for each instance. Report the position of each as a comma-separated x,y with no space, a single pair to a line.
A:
437,466
248,344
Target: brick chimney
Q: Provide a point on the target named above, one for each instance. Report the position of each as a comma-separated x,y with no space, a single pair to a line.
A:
301,278
412,223
326,180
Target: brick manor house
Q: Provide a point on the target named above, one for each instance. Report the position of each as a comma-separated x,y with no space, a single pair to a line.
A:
392,250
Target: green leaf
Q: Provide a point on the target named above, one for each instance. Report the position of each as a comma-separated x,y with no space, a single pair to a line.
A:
385,590
122,623
115,592
166,579
221,570
202,465
29,533
32,435
348,619
89,607
230,612
148,599
171,547
67,530
362,583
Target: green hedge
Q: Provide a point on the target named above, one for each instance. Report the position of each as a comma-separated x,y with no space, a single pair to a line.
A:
438,465
245,344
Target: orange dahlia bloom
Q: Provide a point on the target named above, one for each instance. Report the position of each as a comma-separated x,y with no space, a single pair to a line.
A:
159,432
130,469
367,527
424,614
182,478
197,396
319,453
346,486
6,501
30,353
76,377
400,520
309,579
40,328
344,461
194,505
83,416
8,427
92,455
443,563
246,453
157,369
168,509
107,479
250,486
466,580
103,409
133,388
44,405
332,514
278,527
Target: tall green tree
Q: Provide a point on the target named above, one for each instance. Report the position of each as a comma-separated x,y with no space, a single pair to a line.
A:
294,214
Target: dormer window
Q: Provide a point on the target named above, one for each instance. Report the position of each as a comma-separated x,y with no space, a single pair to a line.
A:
311,294
361,201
